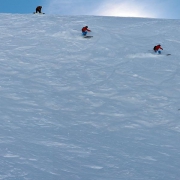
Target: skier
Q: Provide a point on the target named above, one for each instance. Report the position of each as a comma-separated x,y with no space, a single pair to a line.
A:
38,9
157,49
85,30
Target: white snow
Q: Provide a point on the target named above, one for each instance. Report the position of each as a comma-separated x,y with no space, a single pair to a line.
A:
104,108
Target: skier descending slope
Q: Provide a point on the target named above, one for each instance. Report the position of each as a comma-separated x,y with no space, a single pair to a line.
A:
157,49
85,30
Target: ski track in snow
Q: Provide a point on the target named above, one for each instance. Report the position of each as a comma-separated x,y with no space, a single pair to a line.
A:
94,109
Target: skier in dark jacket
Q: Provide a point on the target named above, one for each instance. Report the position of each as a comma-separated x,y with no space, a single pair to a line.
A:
38,9
85,30
157,49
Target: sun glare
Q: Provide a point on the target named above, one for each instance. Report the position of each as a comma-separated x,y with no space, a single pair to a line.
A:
124,10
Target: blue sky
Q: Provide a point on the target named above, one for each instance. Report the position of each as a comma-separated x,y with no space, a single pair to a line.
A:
129,8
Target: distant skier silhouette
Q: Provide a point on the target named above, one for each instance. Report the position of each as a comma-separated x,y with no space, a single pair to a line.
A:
157,49
38,9
85,30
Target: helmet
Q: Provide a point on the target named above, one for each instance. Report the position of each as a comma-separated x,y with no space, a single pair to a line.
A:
86,26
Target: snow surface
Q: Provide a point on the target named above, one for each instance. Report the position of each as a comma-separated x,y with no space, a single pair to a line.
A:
104,108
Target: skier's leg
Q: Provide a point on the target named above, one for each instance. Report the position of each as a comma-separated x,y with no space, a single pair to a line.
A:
84,33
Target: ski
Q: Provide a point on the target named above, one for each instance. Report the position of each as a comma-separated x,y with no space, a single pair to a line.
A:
38,13
87,36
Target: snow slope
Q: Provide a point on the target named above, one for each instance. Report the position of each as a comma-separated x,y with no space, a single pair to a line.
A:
104,108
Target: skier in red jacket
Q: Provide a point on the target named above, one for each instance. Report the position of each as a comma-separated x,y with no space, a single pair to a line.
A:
157,49
85,30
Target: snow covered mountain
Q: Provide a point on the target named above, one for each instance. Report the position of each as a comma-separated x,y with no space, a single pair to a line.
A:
104,108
